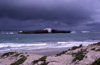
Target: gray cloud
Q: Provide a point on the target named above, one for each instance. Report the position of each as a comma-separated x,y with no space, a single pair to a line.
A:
37,14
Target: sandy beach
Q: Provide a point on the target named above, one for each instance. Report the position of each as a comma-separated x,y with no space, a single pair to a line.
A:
77,55
45,52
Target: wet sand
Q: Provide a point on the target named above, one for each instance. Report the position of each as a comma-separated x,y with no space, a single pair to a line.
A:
45,52
48,51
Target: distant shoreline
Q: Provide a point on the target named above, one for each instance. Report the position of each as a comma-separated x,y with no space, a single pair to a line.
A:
46,52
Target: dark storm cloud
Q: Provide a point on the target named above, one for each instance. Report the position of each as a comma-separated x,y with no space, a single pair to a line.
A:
29,14
43,11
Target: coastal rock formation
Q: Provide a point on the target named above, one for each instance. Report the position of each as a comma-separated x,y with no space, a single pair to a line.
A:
87,55
46,30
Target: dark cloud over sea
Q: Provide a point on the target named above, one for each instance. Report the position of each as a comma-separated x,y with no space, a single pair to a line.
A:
57,14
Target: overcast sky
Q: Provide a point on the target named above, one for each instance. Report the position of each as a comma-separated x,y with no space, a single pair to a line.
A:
57,14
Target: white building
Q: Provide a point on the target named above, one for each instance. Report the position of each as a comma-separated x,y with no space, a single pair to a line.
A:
48,29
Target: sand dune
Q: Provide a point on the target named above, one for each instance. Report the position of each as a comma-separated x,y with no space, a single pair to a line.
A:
87,55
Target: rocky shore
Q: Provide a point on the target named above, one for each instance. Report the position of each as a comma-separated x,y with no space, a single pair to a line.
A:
81,55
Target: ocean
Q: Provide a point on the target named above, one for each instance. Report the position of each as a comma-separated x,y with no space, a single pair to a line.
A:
12,41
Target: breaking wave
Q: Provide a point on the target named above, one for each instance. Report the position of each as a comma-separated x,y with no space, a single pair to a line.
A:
34,46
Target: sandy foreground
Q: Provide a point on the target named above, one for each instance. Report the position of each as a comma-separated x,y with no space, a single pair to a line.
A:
87,55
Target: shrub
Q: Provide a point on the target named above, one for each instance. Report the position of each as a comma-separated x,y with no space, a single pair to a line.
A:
7,54
63,52
76,47
17,54
20,61
79,55
97,43
73,48
44,63
43,59
93,49
98,50
96,62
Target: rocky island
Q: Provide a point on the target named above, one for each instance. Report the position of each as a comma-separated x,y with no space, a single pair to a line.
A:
46,30
77,55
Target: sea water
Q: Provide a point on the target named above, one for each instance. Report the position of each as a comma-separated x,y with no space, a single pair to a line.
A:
13,41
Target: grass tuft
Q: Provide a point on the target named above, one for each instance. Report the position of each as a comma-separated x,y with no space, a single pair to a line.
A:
20,61
79,55
96,62
63,52
93,49
97,44
73,48
17,54
98,50
43,59
7,54
44,63
76,47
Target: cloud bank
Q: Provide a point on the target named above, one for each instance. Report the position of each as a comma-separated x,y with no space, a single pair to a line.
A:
58,14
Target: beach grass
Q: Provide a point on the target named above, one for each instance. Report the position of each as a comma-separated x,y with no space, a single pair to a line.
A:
96,62
20,61
97,44
76,47
73,48
59,54
7,54
43,59
79,55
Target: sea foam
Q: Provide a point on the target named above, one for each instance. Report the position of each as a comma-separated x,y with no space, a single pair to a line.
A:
44,45
20,44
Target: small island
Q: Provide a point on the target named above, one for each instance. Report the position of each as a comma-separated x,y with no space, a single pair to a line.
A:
46,30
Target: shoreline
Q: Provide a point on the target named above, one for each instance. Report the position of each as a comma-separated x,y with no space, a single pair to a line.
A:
42,46
45,52
77,55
